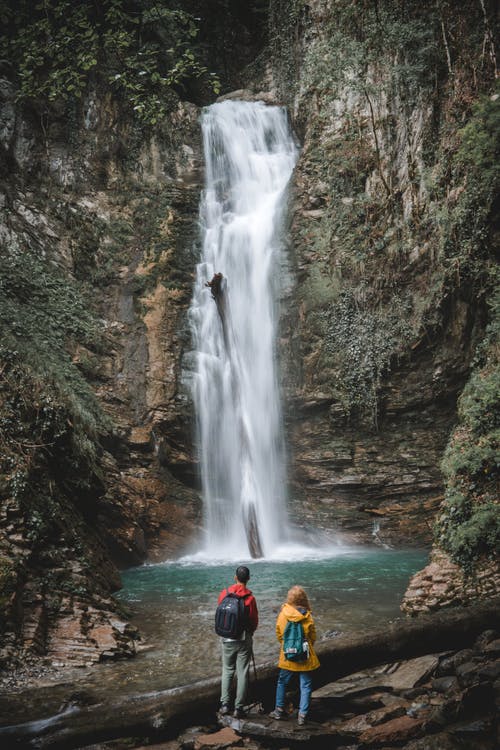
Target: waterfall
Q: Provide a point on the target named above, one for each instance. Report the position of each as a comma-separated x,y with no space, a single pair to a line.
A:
250,155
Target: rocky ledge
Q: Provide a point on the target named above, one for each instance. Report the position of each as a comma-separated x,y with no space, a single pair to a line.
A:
440,684
441,701
445,701
443,583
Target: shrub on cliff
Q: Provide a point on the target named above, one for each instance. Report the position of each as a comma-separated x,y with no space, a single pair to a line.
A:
140,49
50,420
469,525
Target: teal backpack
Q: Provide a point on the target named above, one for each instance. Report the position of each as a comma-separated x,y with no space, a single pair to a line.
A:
295,645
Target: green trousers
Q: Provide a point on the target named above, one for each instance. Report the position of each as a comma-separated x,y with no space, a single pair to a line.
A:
236,657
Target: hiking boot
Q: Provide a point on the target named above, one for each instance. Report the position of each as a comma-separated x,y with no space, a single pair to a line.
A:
278,714
301,720
224,709
239,713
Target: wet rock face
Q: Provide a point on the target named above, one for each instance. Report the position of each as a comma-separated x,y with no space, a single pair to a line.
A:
369,486
115,211
377,339
442,583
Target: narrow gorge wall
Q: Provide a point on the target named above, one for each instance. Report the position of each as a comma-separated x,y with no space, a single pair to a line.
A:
99,229
97,218
392,230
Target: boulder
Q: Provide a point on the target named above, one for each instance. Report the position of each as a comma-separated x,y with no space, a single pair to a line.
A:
397,730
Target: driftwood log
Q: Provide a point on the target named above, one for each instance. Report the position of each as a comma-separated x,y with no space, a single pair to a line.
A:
169,711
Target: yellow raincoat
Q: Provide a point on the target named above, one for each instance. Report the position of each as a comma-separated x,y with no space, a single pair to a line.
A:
290,613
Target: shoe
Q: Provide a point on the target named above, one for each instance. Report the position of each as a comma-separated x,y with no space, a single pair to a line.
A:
224,709
239,713
277,714
301,720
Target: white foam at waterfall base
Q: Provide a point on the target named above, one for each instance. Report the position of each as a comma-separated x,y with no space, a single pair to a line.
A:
250,154
284,553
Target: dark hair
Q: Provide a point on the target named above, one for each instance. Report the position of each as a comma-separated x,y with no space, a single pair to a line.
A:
242,574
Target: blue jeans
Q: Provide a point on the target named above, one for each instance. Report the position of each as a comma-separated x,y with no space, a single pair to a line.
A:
284,678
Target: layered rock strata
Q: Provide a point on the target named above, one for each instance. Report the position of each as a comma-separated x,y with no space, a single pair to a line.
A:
378,338
121,224
443,583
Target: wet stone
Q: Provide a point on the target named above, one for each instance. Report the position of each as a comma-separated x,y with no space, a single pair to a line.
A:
487,638
354,726
413,672
493,647
387,713
467,673
441,741
490,671
444,684
286,730
396,730
449,664
170,745
483,726
224,738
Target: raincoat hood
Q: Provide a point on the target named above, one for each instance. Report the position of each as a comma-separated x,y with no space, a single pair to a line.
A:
294,614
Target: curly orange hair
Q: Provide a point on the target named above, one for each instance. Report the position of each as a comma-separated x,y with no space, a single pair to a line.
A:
297,597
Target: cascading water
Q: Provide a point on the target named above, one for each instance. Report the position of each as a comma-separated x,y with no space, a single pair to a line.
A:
250,155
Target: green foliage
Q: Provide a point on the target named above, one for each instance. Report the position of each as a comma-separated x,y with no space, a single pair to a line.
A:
479,406
285,17
363,36
472,455
40,422
469,526
140,49
8,579
473,166
469,530
43,314
480,146
46,405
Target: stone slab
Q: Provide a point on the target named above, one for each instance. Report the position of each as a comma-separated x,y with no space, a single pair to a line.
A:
413,672
286,730
397,730
224,738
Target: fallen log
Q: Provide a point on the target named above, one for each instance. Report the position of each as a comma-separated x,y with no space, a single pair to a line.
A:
167,711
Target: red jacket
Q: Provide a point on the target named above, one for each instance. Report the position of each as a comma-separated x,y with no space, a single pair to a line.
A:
250,603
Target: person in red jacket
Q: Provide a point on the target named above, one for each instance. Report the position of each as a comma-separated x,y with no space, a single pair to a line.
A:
237,652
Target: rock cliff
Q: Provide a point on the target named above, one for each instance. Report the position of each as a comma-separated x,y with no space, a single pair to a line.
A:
99,211
393,229
114,217
389,293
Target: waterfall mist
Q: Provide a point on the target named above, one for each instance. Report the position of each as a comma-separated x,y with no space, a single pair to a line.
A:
250,155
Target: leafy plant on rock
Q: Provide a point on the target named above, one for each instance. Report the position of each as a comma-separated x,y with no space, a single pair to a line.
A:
469,525
141,49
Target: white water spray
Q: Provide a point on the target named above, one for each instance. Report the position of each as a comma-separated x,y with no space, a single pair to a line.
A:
250,155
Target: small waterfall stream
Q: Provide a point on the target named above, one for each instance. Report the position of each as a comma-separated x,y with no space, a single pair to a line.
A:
250,155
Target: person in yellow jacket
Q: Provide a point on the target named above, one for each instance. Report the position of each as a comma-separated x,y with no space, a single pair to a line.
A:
296,609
